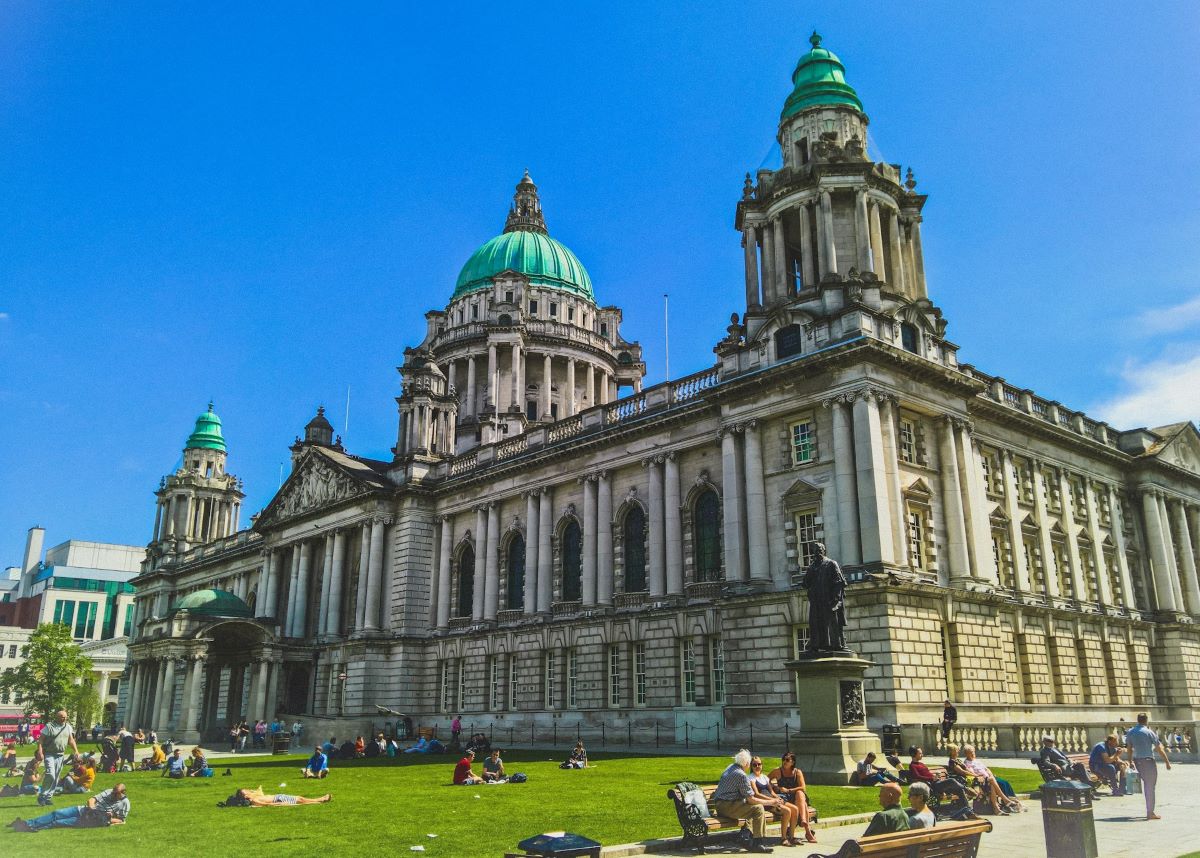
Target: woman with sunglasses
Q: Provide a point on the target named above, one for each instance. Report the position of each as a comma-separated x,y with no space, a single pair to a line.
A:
766,795
792,788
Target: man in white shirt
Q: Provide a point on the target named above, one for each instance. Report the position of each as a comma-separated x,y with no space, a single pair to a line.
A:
110,807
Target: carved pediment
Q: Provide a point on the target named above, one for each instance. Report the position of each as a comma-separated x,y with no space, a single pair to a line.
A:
1183,451
315,484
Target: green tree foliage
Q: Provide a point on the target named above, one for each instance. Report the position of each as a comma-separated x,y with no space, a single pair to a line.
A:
86,708
52,665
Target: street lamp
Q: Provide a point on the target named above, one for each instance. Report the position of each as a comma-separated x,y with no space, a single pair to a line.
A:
342,677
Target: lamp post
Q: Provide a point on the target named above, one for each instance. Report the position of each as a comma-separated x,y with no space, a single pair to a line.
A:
342,677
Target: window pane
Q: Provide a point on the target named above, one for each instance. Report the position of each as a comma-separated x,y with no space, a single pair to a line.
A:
706,525
466,581
634,545
516,573
572,562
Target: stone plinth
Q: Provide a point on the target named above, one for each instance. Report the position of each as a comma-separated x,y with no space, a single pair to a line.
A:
833,733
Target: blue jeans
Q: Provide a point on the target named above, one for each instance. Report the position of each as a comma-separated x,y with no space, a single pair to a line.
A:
63,817
54,764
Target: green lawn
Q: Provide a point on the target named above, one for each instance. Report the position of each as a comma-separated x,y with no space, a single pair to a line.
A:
395,804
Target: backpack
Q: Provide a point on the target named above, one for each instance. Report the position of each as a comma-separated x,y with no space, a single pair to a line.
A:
518,778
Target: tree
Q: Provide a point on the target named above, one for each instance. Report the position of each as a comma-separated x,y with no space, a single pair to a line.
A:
85,707
51,670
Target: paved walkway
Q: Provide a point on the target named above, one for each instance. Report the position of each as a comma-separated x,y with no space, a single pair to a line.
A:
1122,830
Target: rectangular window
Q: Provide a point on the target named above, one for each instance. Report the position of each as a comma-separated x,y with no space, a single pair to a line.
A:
687,664
64,611
494,683
508,297
572,679
533,308
604,329
512,683
474,311
915,522
908,441
85,620
128,620
717,663
458,689
809,531
614,675
447,701
639,674
549,683
554,309
804,442
570,314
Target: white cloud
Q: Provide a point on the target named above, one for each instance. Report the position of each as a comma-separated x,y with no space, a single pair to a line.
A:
3,317
1166,320
1166,390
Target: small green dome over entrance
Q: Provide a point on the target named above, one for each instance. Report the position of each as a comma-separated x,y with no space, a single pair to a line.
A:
207,434
819,80
214,603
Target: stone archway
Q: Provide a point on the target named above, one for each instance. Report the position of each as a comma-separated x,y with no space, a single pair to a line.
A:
241,677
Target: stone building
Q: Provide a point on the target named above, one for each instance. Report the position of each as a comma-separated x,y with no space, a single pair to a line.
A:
551,540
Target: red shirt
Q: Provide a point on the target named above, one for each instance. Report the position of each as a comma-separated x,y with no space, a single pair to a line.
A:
921,772
462,771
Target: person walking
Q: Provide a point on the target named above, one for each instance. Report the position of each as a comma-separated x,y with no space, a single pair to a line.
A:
1143,742
56,737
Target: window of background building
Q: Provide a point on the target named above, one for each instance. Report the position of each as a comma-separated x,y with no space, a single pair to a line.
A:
570,314
508,297
639,674
706,536
12,651
64,611
915,524
572,562
447,687
633,532
687,665
533,308
614,675
716,660
494,683
908,441
804,441
809,531
549,683
554,309
458,686
572,679
85,620
512,682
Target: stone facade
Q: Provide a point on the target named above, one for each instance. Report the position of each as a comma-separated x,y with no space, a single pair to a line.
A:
542,546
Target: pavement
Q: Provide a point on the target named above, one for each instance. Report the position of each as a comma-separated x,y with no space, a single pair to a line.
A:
1122,830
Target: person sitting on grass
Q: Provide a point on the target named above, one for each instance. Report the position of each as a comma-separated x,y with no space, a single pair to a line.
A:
258,798
83,775
110,807
493,766
578,758
197,764
30,779
791,786
10,760
892,818
317,765
919,814
156,760
421,747
463,776
870,774
330,746
176,765
777,804
360,747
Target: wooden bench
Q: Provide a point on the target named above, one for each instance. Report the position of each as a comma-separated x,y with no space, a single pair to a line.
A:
1072,759
945,840
426,733
696,832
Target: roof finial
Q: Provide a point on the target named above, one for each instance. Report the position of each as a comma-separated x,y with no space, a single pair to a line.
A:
909,181
815,39
525,214
210,405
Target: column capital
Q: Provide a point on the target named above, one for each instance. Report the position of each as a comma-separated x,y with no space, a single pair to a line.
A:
844,398
385,520
727,429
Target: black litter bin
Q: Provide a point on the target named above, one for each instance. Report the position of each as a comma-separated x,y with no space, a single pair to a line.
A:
281,742
560,844
1067,819
891,739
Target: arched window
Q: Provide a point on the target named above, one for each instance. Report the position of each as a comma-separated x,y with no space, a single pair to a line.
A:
633,533
706,536
789,341
505,320
572,562
466,581
908,337
516,573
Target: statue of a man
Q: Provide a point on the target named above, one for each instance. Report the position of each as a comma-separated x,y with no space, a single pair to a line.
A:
826,603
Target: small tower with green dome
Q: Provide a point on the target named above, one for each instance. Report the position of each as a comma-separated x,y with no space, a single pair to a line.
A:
200,502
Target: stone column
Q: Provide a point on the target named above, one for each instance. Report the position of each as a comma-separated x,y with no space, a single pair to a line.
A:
481,535
333,625
1158,551
956,536
877,257
1118,536
604,540
375,575
532,547
293,591
451,372
829,246
266,596
756,505
547,384
191,717
491,585
518,385
166,695
591,385
1072,531
862,235
569,394
1041,487
545,574
364,565
589,582
807,260
1103,590
891,462
1193,516
782,290
769,277
158,511
656,562
262,702
1016,537
1164,516
983,561
493,379
301,627
444,573
324,605
169,520
471,408
846,482
750,246
919,285
874,516
1191,586
131,693
895,256
731,507
673,535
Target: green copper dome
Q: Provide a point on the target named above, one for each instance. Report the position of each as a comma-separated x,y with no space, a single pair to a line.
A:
525,247
207,434
214,603
819,79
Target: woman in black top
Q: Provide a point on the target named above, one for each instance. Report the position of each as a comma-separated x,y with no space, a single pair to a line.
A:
790,784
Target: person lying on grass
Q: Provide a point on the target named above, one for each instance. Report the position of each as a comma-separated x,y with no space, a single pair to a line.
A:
110,807
257,798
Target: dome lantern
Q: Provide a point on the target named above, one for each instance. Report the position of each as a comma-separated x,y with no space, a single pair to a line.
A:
819,81
207,433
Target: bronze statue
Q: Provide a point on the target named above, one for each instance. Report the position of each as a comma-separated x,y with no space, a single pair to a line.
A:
826,603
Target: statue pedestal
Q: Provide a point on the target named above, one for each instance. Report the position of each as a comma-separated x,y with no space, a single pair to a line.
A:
833,735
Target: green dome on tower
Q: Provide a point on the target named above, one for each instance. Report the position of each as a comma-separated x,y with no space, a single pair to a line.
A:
214,603
207,434
526,248
819,80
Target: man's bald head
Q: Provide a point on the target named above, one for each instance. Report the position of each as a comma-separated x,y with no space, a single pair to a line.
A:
889,794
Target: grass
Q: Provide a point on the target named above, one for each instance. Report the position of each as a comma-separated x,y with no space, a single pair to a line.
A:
394,804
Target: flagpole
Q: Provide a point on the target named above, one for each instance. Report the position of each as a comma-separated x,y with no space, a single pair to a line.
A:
667,334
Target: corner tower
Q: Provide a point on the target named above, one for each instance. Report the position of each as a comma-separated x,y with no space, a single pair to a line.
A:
200,502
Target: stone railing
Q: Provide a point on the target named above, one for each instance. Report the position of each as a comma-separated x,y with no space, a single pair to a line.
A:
460,622
630,600
625,409
983,739
1051,412
1025,740
1179,738
564,429
703,589
511,615
566,608
693,385
512,447
464,463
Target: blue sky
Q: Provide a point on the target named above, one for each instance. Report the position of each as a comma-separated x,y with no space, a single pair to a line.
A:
257,206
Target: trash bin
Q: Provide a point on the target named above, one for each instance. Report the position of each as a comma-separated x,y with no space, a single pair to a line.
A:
891,739
1067,819
560,844
281,742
